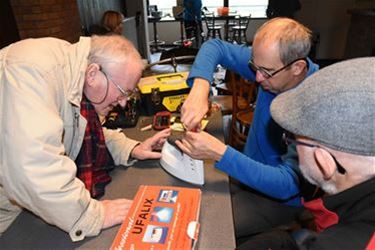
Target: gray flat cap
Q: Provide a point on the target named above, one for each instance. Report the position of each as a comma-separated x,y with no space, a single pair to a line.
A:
335,107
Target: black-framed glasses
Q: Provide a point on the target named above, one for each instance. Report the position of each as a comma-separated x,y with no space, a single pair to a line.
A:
267,73
288,138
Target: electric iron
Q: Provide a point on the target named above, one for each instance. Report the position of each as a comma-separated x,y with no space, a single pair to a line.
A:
180,165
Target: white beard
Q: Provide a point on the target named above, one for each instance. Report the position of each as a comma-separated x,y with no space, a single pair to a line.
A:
327,186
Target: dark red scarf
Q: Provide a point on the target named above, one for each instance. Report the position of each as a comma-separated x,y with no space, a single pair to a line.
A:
94,160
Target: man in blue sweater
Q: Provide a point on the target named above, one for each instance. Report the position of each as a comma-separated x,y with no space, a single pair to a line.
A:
278,61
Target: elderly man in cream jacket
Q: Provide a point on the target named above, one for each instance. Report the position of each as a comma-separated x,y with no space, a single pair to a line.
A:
42,82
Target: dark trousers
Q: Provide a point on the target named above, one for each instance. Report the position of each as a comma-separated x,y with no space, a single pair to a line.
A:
273,239
194,29
255,213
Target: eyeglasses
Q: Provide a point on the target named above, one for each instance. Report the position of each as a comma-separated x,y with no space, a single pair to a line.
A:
125,94
287,138
265,72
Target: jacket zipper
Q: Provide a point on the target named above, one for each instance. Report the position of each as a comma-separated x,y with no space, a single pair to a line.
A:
75,126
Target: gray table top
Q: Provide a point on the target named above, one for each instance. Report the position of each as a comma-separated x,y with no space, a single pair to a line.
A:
216,230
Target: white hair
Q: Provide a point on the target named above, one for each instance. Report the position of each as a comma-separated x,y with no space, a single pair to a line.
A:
328,186
113,49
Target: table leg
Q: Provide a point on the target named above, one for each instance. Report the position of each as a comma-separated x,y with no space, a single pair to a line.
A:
155,37
226,29
182,32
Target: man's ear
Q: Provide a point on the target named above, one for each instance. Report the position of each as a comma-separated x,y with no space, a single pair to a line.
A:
299,66
91,72
325,162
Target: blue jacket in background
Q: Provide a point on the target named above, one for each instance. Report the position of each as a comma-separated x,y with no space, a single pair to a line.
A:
262,165
192,10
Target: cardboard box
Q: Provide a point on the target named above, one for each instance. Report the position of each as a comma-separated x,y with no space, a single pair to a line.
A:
180,2
161,217
177,11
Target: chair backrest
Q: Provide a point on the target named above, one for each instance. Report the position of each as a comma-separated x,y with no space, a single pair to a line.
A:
244,99
234,21
244,92
209,19
243,21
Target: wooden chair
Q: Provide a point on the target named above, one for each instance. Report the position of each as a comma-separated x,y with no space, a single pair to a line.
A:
225,102
239,31
213,29
230,24
244,98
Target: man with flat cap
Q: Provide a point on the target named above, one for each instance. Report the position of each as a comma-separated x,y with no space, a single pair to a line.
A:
331,120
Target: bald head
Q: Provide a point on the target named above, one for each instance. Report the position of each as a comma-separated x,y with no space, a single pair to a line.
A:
292,38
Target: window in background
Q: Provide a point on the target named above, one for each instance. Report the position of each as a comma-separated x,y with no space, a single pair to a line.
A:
166,5
257,8
212,5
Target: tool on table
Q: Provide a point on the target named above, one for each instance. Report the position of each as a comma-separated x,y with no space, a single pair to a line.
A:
161,120
120,117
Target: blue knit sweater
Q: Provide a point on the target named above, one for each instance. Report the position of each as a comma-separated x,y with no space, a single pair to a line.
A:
264,164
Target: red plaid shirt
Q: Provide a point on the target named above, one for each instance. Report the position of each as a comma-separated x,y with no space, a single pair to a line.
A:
94,160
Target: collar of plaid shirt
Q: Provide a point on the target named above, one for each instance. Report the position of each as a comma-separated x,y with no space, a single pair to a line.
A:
94,160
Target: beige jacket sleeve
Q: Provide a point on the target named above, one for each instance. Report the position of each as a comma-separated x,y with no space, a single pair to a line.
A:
120,146
35,171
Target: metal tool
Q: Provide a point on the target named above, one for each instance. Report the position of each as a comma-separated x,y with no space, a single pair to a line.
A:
161,120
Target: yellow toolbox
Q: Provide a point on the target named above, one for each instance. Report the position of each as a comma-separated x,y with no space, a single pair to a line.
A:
165,92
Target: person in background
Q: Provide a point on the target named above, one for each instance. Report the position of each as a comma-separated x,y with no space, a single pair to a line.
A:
113,21
193,18
278,61
331,120
51,96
